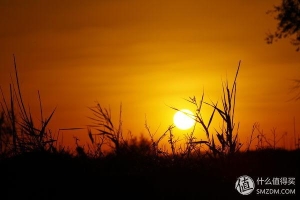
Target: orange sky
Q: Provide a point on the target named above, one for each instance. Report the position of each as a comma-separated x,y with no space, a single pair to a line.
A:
147,55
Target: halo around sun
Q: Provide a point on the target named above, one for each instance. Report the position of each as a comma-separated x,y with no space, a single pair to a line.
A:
184,119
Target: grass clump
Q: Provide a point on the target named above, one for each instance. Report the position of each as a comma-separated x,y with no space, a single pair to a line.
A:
19,133
227,138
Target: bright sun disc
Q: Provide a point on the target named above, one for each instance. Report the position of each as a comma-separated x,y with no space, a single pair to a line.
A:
184,119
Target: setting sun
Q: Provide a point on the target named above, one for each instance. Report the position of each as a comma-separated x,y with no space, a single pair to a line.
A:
184,119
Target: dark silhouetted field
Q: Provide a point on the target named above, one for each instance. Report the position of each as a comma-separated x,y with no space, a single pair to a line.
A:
57,176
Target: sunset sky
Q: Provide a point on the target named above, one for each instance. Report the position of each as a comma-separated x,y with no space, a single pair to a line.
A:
148,55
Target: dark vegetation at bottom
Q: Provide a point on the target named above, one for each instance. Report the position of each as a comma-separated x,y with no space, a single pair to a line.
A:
33,167
42,175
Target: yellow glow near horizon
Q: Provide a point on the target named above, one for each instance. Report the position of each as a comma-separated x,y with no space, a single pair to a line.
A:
184,119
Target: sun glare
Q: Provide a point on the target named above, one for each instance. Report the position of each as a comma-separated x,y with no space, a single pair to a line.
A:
184,119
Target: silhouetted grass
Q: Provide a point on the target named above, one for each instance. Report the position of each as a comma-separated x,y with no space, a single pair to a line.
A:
32,167
228,142
19,133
